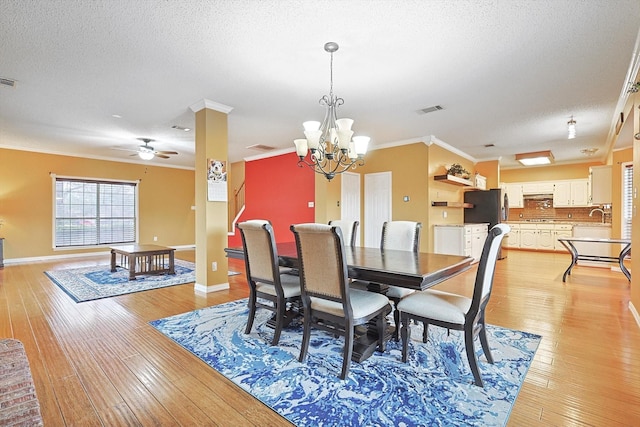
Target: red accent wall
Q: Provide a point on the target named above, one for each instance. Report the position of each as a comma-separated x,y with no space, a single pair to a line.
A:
278,190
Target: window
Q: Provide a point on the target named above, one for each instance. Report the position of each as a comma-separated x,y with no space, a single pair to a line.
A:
627,199
93,213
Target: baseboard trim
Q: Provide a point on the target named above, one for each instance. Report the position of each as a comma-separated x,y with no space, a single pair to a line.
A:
635,313
204,289
48,258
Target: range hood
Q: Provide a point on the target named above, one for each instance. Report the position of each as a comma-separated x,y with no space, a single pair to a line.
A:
541,196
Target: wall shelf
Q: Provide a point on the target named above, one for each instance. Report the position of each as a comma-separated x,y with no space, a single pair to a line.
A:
453,204
450,179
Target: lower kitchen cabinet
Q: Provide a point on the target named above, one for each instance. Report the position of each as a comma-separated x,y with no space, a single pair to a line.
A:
463,239
512,238
528,236
562,230
537,236
545,237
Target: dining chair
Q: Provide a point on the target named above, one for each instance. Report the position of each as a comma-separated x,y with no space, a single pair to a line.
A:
404,236
349,230
266,281
328,302
458,312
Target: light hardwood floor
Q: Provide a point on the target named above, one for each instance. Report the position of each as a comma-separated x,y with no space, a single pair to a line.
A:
100,363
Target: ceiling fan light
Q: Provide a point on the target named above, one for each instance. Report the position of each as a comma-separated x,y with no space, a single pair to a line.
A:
146,155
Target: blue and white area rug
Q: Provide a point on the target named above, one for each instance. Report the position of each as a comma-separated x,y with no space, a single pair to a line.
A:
433,389
95,282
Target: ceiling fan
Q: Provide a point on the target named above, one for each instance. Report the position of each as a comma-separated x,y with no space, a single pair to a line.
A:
147,152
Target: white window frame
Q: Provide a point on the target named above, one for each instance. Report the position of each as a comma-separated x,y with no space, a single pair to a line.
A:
55,178
626,195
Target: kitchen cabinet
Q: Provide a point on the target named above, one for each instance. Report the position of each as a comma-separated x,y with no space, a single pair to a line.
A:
545,237
528,233
537,187
542,236
573,192
561,230
514,193
460,239
600,185
513,237
580,192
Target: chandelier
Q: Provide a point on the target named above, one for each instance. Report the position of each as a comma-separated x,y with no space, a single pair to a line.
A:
332,148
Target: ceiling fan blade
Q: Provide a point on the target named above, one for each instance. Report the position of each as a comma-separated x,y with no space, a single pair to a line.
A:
124,149
166,152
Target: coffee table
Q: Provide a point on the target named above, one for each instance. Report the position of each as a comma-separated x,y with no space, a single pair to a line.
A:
143,259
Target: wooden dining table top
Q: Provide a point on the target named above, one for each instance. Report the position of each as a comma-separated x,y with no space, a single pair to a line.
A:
412,270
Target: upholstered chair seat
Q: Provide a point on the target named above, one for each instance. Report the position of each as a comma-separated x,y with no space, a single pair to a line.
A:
362,302
290,286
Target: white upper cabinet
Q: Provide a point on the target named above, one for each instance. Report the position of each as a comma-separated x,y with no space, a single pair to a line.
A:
600,185
514,193
537,187
573,192
562,194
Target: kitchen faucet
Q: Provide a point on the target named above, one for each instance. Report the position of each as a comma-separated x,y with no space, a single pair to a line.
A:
597,210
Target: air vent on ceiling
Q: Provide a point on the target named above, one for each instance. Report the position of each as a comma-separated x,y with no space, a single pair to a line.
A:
7,82
261,147
489,145
430,109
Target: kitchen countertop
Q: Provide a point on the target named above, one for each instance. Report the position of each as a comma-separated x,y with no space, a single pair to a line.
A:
580,224
460,225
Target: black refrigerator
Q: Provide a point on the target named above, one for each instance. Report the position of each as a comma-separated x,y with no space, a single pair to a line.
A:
488,206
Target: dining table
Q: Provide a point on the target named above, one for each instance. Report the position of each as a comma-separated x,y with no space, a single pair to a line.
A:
380,268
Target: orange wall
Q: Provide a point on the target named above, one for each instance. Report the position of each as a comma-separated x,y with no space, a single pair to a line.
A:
26,200
409,166
548,173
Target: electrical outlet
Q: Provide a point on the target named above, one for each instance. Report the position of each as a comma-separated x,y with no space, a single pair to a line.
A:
444,214
155,238
214,266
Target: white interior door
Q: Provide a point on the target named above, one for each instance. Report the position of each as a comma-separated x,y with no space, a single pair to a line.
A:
377,206
350,199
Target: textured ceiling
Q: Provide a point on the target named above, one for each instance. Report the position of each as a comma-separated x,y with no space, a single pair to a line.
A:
507,73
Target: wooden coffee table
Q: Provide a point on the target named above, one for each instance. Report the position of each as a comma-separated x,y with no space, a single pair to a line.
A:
143,259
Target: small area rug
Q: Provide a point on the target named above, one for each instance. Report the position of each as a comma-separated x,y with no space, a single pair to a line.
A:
96,282
433,389
18,402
